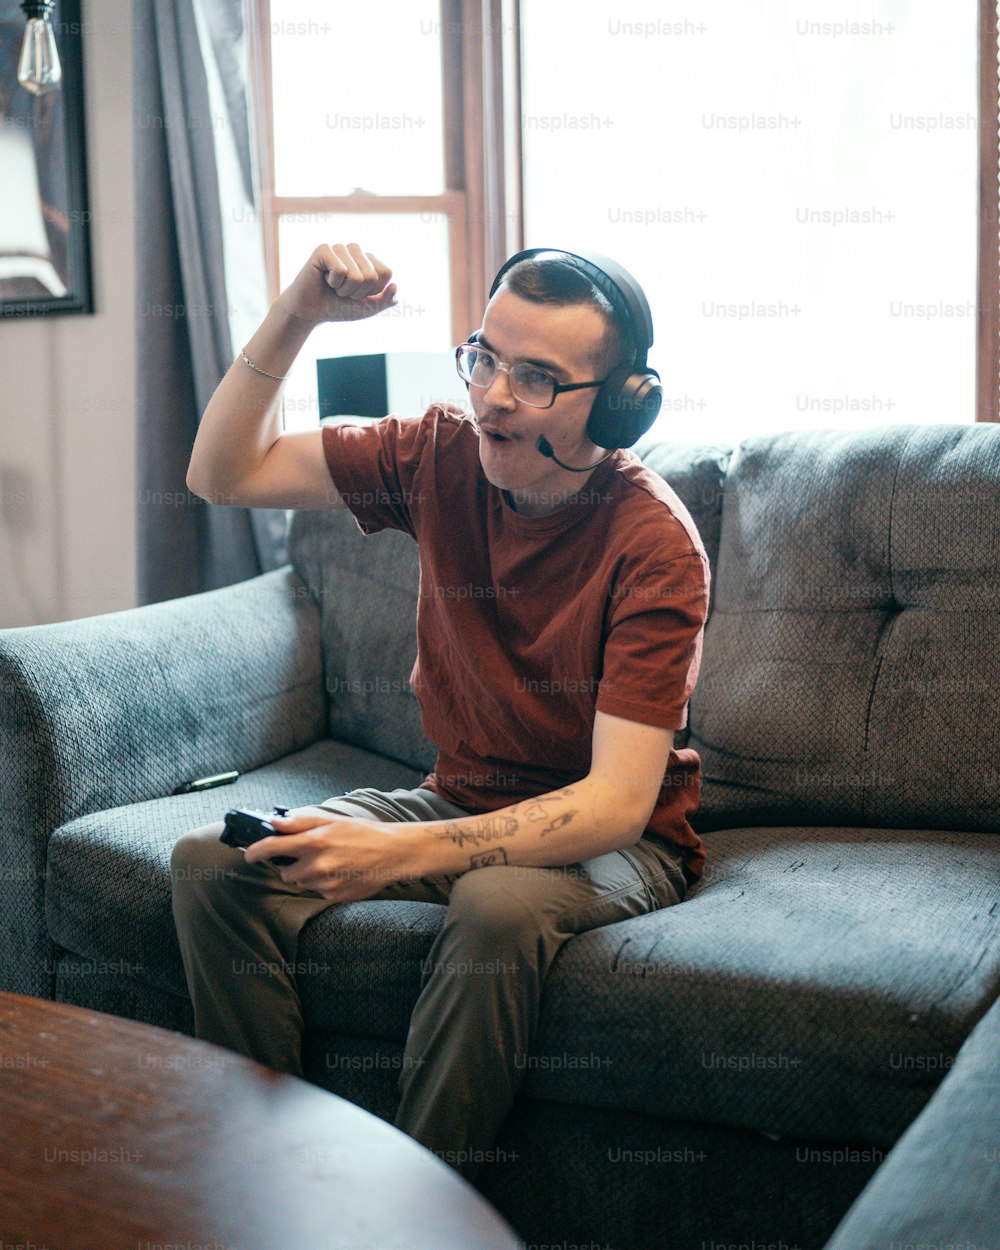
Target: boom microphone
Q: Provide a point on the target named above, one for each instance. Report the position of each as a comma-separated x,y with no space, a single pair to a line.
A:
543,445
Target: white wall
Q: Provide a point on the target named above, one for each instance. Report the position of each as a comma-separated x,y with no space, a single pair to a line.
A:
67,427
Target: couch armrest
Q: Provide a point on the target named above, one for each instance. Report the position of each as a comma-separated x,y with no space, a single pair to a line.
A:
940,1183
115,709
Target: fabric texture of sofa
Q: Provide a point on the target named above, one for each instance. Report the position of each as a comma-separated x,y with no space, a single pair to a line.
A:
732,1070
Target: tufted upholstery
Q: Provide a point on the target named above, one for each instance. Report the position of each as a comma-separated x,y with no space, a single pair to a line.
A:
851,654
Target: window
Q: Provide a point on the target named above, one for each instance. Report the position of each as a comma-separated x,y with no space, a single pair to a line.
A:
796,192
796,189
372,123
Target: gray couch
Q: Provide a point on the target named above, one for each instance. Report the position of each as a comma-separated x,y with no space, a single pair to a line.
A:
733,1070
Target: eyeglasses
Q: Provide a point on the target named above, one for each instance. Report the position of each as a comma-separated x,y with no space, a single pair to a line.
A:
528,383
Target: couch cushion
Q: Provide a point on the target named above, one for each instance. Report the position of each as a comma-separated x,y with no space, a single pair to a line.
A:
817,984
940,1186
107,895
850,672
366,589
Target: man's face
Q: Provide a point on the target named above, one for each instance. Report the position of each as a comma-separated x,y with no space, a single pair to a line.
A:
565,341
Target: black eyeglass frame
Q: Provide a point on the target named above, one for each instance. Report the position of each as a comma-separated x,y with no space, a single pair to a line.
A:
557,387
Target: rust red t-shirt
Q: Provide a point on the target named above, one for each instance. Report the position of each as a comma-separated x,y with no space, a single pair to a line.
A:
527,624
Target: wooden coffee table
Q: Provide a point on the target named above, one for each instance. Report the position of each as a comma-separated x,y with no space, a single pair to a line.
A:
114,1134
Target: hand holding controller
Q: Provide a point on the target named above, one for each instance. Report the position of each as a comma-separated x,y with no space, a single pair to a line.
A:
245,826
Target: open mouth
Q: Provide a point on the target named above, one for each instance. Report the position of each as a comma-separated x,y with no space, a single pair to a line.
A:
494,436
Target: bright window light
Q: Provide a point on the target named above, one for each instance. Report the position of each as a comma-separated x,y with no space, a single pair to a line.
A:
357,97
794,185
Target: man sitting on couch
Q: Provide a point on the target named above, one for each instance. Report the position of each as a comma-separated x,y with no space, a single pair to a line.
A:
562,602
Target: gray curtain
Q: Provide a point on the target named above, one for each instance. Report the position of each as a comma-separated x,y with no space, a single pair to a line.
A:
186,323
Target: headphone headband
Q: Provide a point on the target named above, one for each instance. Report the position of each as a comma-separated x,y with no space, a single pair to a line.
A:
614,282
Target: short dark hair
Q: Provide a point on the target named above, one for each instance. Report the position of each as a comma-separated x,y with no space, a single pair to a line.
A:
549,278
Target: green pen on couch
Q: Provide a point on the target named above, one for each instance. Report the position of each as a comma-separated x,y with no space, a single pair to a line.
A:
206,783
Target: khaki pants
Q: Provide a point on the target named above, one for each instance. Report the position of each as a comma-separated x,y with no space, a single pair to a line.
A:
471,1032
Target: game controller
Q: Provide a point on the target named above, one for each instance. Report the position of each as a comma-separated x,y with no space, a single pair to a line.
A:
244,827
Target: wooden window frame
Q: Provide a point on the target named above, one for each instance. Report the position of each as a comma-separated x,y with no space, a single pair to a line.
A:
988,265
481,202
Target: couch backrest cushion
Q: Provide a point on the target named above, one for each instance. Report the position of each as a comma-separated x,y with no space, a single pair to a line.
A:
851,672
366,590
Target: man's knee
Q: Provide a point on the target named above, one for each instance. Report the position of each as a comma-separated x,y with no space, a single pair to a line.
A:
199,858
501,905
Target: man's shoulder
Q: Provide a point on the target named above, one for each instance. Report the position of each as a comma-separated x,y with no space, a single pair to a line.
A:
441,419
447,429
451,420
455,413
443,428
651,513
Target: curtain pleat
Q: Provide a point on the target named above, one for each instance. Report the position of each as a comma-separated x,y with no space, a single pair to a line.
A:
184,340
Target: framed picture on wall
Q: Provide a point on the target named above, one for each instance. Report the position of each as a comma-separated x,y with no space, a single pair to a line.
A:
44,216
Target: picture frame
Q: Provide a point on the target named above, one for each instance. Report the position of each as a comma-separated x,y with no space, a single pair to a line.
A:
44,208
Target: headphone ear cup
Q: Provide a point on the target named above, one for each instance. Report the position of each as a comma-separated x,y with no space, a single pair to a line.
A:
625,407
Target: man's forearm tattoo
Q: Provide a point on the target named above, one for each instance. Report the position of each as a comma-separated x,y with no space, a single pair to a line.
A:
484,829
496,826
534,809
562,819
485,859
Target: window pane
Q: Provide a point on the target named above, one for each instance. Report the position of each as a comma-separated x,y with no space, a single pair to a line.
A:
357,97
797,195
415,247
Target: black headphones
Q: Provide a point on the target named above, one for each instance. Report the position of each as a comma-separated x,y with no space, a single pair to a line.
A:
629,401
